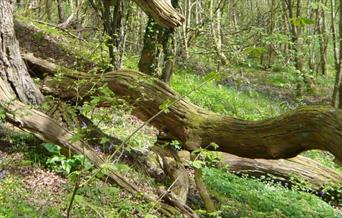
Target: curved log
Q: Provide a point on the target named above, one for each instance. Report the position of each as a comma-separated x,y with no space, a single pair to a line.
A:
285,136
162,12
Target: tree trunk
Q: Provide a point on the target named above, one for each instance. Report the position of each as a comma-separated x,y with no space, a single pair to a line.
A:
336,55
215,28
149,60
174,169
60,11
13,70
323,41
311,127
285,170
338,84
169,49
48,6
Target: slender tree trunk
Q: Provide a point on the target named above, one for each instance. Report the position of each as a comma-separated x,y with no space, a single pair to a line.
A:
13,70
339,70
215,28
337,95
60,11
323,41
48,6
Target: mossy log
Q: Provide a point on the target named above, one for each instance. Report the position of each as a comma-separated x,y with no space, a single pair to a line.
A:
285,136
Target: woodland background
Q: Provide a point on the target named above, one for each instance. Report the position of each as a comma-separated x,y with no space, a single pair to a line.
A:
181,108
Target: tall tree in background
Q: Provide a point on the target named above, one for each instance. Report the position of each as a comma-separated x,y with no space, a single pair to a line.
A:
215,29
339,65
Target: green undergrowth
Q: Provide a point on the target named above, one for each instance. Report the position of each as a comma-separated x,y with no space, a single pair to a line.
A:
26,189
95,200
243,197
222,99
219,98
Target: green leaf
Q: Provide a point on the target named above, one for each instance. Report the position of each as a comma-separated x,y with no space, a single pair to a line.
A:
52,148
214,145
176,144
198,164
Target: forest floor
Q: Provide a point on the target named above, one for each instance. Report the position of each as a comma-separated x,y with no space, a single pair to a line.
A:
33,186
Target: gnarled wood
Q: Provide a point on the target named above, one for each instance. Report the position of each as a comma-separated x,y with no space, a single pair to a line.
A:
162,12
311,127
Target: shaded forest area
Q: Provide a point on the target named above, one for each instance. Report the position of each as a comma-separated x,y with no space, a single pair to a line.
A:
170,108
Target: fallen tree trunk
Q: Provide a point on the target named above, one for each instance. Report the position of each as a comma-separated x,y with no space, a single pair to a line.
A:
311,127
297,169
294,172
282,169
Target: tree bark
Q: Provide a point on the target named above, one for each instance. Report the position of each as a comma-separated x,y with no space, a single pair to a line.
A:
13,70
60,10
162,12
337,95
311,127
301,167
150,55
